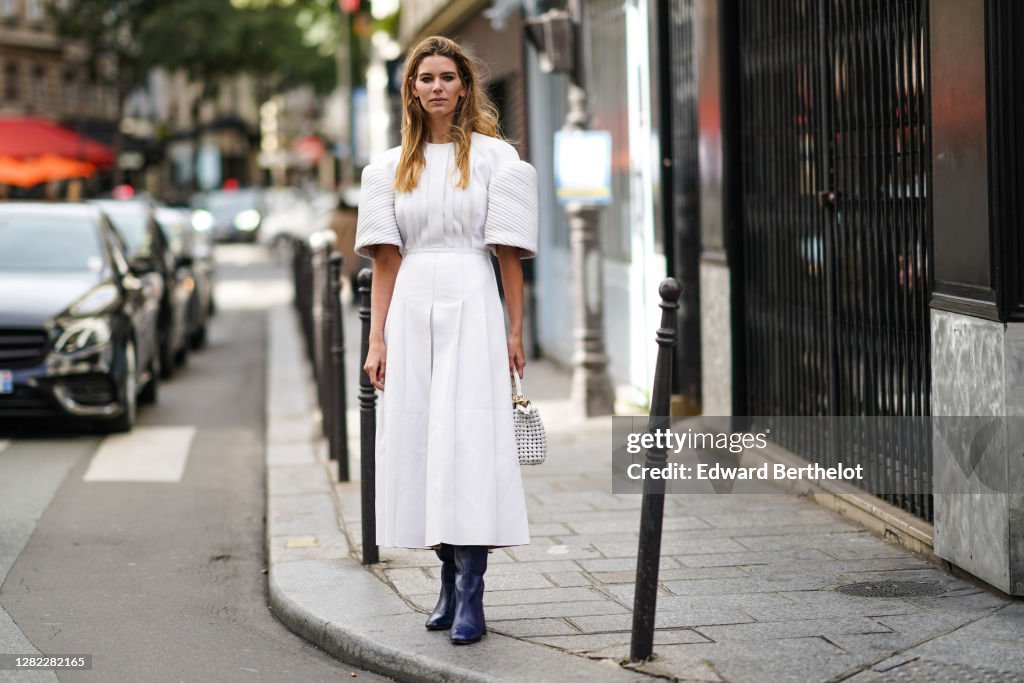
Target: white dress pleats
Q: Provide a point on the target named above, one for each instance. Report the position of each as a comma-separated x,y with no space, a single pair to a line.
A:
446,465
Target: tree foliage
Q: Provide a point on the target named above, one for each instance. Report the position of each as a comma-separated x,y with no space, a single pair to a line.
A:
281,44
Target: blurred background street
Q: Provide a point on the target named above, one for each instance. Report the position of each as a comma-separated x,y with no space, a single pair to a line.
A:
834,186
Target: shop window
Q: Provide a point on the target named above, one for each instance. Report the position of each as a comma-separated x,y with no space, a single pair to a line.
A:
34,11
11,75
38,83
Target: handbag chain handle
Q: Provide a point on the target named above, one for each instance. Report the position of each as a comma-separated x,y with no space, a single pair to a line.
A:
517,393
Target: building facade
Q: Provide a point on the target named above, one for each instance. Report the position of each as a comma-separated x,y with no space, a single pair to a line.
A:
43,75
860,252
616,52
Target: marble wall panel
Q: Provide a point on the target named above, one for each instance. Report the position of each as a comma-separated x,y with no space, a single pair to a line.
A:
968,367
978,370
1015,453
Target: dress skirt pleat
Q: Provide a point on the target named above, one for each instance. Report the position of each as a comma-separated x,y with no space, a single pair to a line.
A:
447,469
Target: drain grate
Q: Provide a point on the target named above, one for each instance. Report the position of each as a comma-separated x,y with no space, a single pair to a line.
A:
892,589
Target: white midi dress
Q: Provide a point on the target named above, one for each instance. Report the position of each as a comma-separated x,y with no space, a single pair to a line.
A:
446,464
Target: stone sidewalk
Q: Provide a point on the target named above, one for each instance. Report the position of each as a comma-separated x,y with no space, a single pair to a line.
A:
747,588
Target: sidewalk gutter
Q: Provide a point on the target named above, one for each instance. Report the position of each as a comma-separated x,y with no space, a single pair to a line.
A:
321,592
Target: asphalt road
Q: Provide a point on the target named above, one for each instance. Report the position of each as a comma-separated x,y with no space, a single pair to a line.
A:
146,551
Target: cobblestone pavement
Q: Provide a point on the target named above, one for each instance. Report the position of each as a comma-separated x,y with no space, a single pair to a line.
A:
746,586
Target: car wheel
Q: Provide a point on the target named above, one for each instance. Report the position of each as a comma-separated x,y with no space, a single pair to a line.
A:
151,392
166,360
198,339
181,355
129,393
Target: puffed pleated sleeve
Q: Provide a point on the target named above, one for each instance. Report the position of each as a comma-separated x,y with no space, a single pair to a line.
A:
512,209
377,223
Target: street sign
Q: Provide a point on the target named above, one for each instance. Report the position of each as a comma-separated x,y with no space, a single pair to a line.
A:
583,167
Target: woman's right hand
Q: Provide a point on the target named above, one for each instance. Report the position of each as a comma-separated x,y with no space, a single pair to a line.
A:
376,363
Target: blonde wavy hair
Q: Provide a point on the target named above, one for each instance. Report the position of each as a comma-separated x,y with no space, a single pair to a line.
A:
474,113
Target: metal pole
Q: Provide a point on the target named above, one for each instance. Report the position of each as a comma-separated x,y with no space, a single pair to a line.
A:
322,243
338,437
367,429
325,376
296,277
307,281
305,300
592,392
652,508
316,314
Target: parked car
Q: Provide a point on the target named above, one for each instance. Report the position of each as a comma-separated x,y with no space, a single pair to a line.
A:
289,215
148,252
78,326
230,215
193,255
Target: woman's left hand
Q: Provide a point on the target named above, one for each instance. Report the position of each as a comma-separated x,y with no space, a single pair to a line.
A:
516,357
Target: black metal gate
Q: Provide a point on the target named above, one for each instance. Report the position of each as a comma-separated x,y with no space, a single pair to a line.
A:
682,244
836,210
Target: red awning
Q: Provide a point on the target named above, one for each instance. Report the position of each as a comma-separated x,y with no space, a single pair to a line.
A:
42,170
24,138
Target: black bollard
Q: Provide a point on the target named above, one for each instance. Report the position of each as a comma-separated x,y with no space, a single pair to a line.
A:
367,428
653,506
337,438
306,288
325,375
321,250
296,273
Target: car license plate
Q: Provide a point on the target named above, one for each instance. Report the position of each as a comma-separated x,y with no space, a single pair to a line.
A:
6,382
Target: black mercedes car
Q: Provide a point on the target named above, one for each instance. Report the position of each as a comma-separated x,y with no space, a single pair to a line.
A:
149,252
78,326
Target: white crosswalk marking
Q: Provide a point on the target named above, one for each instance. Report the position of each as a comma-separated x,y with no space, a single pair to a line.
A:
142,455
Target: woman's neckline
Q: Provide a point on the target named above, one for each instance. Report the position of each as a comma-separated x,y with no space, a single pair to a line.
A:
438,144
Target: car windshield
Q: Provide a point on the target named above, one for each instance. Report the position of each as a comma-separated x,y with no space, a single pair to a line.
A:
130,221
51,243
231,202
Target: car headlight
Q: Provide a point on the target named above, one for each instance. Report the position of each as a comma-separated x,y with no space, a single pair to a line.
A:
202,220
247,220
83,334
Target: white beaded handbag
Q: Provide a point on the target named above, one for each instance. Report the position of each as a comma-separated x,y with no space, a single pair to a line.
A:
531,441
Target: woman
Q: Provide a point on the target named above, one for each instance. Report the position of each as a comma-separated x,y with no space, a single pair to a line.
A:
430,212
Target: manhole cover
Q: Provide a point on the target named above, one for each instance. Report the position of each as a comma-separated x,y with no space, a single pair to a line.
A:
892,589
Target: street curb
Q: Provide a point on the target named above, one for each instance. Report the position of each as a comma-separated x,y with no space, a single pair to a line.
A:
319,591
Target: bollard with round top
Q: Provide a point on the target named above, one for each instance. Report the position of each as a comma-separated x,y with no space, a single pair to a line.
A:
303,297
337,438
367,427
316,267
321,243
653,504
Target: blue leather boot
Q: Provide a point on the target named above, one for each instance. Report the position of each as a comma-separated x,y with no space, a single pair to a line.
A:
443,614
470,565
